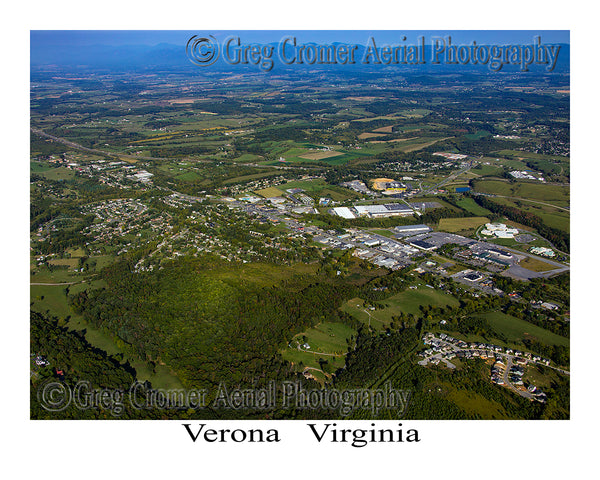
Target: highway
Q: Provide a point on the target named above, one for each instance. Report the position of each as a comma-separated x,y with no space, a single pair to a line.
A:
91,150
448,179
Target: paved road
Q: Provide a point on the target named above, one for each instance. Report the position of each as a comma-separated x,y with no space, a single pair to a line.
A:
91,150
508,362
449,178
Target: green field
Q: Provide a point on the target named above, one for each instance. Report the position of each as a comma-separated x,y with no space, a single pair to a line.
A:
472,207
516,329
551,216
408,301
269,192
536,265
377,319
554,194
532,155
307,185
51,298
453,225
478,135
328,341
477,405
68,262
248,157
245,178
189,177
384,233
486,170
60,173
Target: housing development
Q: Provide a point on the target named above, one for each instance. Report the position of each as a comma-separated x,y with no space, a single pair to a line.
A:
193,228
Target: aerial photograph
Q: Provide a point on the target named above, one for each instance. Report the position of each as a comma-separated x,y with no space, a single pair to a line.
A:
299,225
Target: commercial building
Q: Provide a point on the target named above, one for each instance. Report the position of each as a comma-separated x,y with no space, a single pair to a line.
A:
473,276
499,230
544,251
502,254
412,229
423,245
343,212
387,210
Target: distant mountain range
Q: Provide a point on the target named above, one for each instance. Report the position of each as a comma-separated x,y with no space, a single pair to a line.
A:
170,56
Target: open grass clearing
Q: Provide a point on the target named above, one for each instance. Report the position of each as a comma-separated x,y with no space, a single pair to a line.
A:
269,192
58,174
472,207
553,194
516,329
387,129
327,341
454,225
411,300
365,135
320,155
536,265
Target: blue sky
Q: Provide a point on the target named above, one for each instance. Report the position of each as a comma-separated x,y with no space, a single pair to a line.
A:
49,38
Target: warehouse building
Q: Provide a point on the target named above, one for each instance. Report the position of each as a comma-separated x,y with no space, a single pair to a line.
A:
343,212
387,210
423,245
406,230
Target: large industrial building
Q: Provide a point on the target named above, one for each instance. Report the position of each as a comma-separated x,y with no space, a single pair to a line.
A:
387,210
407,230
343,212
373,211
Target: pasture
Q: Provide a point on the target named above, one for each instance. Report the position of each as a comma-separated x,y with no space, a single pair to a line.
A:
516,329
554,194
453,225
269,192
536,265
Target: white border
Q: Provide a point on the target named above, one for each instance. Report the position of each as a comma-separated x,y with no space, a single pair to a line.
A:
449,449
